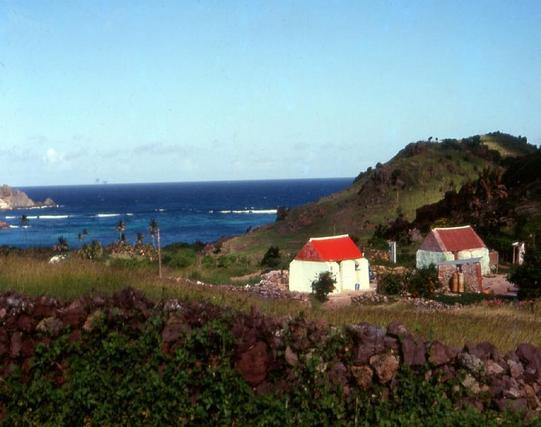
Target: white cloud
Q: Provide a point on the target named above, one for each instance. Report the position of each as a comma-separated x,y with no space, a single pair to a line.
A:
53,157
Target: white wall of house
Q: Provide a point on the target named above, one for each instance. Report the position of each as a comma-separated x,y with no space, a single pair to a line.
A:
482,253
425,258
346,273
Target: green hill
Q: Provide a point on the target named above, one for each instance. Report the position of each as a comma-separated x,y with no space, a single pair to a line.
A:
420,174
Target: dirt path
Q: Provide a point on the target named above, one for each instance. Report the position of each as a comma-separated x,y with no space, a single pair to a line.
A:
499,285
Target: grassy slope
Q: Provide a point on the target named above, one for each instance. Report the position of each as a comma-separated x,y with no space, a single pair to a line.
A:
504,326
426,172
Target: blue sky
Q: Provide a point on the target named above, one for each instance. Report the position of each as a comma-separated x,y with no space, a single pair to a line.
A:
144,91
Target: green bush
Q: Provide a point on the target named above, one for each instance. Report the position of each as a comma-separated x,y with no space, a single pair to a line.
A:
528,276
179,258
391,284
323,285
423,282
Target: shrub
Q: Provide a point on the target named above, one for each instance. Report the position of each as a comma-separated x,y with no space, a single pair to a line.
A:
528,276
323,285
93,250
423,282
180,258
272,257
391,284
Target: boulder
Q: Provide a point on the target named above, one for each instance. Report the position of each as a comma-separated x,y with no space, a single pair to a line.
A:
515,368
175,327
413,350
483,350
530,356
291,357
25,323
50,326
470,362
493,368
369,340
252,364
92,320
363,376
439,354
396,329
385,365
16,344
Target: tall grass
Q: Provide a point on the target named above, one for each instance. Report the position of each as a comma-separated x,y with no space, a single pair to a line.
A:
504,326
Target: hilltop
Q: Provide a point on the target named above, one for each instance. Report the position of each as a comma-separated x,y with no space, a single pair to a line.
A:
420,174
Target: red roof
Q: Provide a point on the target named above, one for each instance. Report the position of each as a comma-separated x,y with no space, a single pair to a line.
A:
336,248
453,239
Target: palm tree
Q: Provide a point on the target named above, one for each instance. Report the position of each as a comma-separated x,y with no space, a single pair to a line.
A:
24,225
24,221
139,239
121,228
62,244
154,229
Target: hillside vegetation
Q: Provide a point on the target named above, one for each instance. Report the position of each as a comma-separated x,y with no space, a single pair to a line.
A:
420,174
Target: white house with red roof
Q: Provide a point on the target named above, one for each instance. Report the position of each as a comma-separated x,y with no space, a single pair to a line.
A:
338,255
453,244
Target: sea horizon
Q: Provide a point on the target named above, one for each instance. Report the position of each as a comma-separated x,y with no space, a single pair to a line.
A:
186,211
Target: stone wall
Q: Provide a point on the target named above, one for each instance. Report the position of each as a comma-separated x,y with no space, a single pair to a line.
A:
473,279
268,351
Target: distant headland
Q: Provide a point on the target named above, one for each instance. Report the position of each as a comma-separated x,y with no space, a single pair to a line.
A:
11,198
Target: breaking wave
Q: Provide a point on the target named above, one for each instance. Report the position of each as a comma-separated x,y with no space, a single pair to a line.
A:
249,211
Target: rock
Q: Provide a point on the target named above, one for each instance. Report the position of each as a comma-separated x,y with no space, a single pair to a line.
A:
482,350
471,384
369,340
175,327
470,362
396,329
439,354
413,350
363,376
291,358
493,368
27,347
515,368
16,344
50,326
92,320
25,323
531,357
253,364
385,366
338,374
11,198
4,342
74,314
512,405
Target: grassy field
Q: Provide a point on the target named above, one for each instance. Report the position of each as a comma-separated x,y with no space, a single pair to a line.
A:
505,326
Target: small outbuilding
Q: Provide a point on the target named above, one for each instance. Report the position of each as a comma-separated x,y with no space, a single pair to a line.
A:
453,244
338,255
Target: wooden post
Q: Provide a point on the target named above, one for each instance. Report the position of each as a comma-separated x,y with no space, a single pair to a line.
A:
159,255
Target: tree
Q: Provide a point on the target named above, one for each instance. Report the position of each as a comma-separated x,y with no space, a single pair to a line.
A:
323,285
139,239
154,229
528,276
272,257
24,221
62,245
121,228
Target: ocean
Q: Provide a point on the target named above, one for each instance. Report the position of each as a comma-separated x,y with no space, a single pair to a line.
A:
186,212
